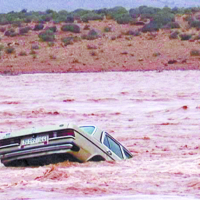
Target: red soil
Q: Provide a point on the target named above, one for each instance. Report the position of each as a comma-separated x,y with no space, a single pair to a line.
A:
125,53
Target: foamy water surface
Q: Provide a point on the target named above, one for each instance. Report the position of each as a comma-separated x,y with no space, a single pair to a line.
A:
155,115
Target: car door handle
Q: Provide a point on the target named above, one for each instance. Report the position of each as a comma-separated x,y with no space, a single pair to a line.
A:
109,153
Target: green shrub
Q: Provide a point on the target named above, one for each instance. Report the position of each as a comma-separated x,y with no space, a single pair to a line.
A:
171,25
51,44
70,19
115,12
46,18
70,40
16,23
92,35
162,18
67,40
195,52
1,47
195,24
10,33
79,12
24,30
107,29
71,27
52,28
38,27
27,20
134,12
150,27
3,21
10,50
91,16
133,32
174,35
47,36
124,19
185,36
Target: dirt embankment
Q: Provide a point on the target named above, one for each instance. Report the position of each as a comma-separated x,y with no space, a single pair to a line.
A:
113,51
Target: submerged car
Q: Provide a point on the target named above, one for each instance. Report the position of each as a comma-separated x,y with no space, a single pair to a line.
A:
52,144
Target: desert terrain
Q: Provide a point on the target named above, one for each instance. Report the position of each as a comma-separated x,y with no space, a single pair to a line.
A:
112,51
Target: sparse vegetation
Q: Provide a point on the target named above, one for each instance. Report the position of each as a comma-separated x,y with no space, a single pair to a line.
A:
92,35
185,36
22,53
68,40
86,27
52,28
171,25
119,27
91,16
10,33
124,19
150,27
133,32
35,46
2,29
195,52
93,53
38,27
32,52
107,29
1,47
156,54
71,28
51,44
195,24
91,46
47,36
24,30
174,35
10,50
52,57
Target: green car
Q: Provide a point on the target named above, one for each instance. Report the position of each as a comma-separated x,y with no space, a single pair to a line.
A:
52,144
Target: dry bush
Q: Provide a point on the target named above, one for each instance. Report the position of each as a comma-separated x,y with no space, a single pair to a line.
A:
22,53
195,52
10,50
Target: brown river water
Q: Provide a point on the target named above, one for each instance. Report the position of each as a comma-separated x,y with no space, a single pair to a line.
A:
155,115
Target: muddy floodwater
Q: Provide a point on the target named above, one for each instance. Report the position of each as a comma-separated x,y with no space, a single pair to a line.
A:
155,115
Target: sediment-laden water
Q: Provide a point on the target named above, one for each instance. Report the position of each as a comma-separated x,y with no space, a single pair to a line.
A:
155,115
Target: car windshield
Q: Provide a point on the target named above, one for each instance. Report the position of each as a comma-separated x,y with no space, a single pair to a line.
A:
88,129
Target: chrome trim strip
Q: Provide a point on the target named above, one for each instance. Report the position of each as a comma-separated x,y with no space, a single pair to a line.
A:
10,145
62,137
37,150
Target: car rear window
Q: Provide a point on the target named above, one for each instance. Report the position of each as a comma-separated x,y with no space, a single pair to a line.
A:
88,129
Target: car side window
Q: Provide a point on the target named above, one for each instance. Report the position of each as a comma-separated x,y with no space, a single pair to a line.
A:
106,141
113,146
126,153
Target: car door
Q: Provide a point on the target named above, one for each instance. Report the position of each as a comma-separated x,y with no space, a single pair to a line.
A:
113,147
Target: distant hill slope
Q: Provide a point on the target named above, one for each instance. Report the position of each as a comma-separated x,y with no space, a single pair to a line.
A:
18,5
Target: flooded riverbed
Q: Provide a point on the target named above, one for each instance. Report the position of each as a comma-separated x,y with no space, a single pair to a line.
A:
155,115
